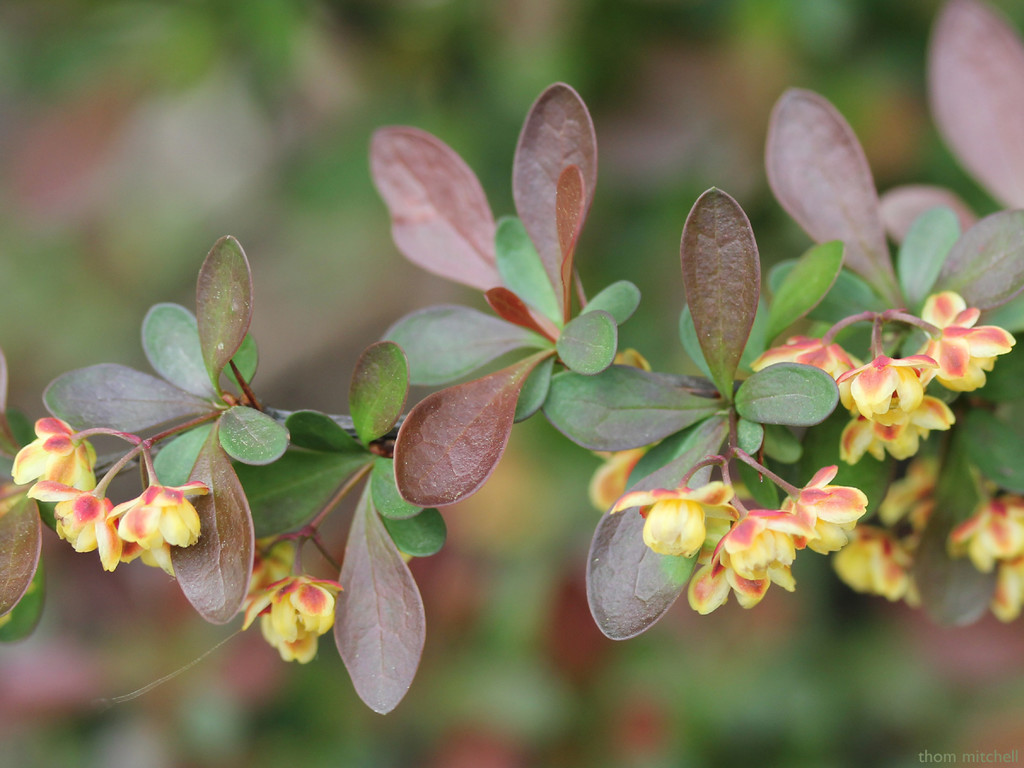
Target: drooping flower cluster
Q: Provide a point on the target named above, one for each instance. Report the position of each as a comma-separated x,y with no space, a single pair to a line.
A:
993,537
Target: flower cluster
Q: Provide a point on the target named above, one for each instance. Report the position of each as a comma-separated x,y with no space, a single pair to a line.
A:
745,551
994,537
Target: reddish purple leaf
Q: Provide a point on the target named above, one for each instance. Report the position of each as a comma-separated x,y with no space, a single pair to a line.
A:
20,542
986,265
440,218
976,88
570,202
722,278
510,307
214,572
819,174
900,206
223,304
379,626
558,132
453,439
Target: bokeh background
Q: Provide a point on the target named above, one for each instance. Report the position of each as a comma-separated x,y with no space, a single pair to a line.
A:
134,133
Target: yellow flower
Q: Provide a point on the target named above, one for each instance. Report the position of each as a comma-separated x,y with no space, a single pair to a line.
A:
885,390
831,358
675,518
1008,597
54,456
994,532
875,563
157,520
82,519
293,613
835,510
900,438
609,481
273,561
963,352
911,497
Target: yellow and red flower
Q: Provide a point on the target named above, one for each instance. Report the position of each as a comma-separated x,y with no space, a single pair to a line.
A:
294,612
82,519
835,510
1008,598
994,532
161,518
963,353
608,483
876,563
885,390
912,497
675,518
56,457
901,438
831,358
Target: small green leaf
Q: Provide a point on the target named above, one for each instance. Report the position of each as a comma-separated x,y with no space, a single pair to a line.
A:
588,342
787,393
619,300
247,358
521,269
386,498
749,435
250,436
24,617
170,339
986,265
535,390
174,461
781,444
805,286
223,305
379,386
764,491
848,295
445,343
722,279
319,432
923,252
419,536
996,448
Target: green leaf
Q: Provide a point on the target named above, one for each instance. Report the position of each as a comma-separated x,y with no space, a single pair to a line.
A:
521,269
787,393
419,536
223,305
379,387
722,279
1009,315
749,435
251,436
24,617
629,586
319,432
170,339
111,395
805,286
288,493
588,342
247,358
764,492
923,252
986,265
849,294
379,626
452,440
21,536
1002,383
386,498
781,444
174,462
691,345
624,407
619,300
214,572
535,390
665,452
996,448
445,343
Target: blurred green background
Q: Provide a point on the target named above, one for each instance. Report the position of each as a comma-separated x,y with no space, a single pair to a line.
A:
134,134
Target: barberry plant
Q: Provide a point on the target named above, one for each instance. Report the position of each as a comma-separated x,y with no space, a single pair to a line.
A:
856,405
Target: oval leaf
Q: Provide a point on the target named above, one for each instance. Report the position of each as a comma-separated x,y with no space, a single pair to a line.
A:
629,586
923,252
986,265
214,572
252,437
521,269
21,537
557,133
379,387
787,393
976,90
452,440
445,343
588,342
622,408
174,462
223,304
722,279
849,294
115,396
319,432
619,300
380,625
535,390
805,286
996,449
247,358
170,338
819,174
440,218
419,536
901,206
386,498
